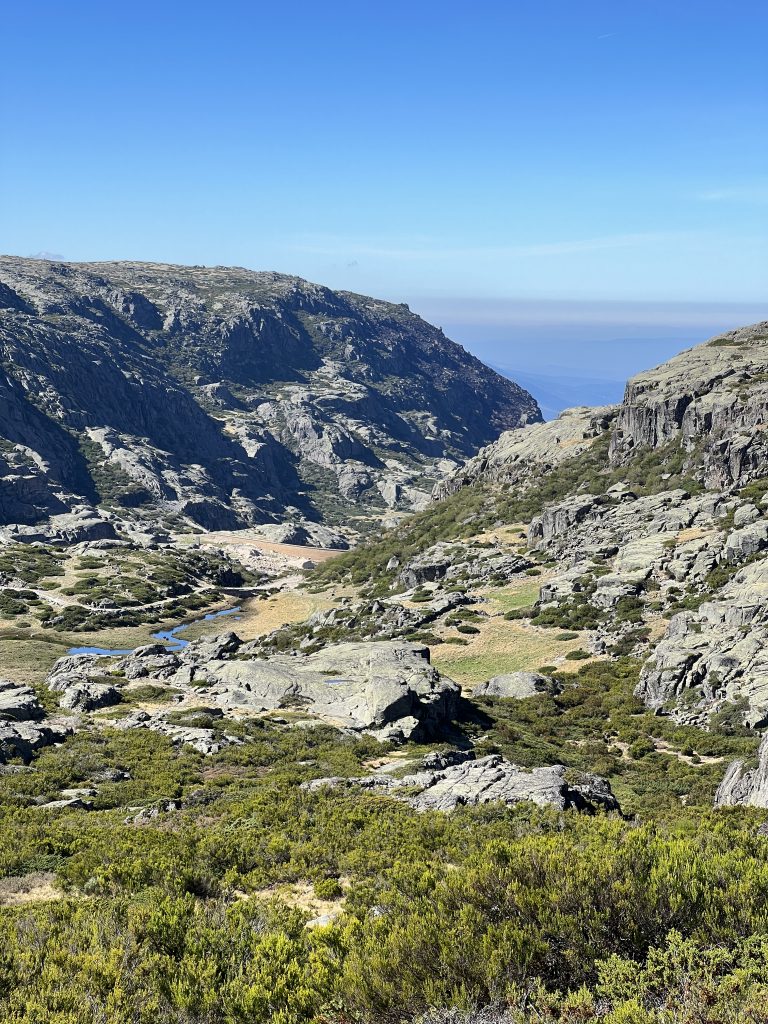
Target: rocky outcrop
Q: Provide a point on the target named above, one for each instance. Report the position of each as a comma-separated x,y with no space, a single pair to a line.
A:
445,563
387,689
24,727
374,620
23,738
78,678
713,398
517,685
82,524
206,741
90,696
539,446
715,656
18,702
446,783
229,397
633,530
746,786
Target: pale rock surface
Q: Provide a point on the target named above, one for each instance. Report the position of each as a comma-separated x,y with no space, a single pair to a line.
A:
748,787
518,685
463,781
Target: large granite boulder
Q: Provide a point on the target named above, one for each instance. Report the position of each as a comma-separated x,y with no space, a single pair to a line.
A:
18,702
22,739
89,696
518,685
387,688
747,786
78,678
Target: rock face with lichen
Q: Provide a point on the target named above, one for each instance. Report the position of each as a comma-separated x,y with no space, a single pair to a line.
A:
746,786
387,688
445,782
713,397
226,397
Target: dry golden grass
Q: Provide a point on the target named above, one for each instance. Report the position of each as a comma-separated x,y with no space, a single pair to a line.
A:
657,628
511,534
693,533
258,617
521,594
36,887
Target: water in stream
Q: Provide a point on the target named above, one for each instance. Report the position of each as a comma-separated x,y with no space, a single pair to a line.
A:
168,637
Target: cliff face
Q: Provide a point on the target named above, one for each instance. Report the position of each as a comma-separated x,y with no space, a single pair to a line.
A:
226,396
713,399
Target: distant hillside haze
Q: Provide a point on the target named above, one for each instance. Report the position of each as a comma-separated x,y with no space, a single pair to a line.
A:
556,393
580,353
227,397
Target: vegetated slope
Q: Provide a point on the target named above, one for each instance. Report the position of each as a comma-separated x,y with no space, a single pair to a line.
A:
650,518
240,868
226,396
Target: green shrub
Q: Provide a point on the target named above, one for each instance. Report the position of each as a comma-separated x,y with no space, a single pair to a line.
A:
328,889
641,748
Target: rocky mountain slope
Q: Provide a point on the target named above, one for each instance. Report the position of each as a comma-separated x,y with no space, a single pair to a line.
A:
471,763
648,522
226,398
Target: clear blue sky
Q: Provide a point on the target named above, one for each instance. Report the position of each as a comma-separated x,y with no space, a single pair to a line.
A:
458,156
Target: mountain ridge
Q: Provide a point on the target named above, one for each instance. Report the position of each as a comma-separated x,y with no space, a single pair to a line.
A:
228,397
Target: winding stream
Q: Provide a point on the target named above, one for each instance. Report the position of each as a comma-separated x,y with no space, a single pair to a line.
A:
168,637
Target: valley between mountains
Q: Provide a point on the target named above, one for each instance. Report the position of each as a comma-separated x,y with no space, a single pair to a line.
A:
338,686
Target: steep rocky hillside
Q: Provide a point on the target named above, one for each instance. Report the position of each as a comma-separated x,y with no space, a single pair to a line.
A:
226,397
648,525
511,764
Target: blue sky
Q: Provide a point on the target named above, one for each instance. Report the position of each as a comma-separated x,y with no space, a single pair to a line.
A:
501,158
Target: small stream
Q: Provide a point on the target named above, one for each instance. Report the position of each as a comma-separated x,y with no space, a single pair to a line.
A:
168,637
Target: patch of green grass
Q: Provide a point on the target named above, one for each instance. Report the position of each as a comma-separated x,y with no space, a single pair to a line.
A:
522,596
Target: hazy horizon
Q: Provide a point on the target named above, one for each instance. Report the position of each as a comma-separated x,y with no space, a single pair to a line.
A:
569,353
569,191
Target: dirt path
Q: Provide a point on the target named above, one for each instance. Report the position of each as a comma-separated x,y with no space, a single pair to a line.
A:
69,602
